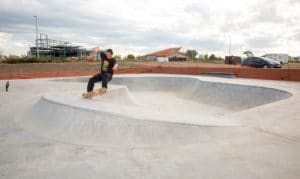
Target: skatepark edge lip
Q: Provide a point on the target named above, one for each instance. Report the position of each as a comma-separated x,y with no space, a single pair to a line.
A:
277,96
171,83
66,121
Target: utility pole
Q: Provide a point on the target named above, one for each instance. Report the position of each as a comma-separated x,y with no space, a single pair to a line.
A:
37,36
229,50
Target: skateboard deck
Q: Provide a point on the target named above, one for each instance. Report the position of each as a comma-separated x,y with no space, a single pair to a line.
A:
94,93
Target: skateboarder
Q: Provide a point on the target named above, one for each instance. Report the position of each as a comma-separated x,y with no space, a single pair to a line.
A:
107,68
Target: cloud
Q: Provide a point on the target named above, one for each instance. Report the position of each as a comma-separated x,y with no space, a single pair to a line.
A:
261,42
294,2
10,45
143,26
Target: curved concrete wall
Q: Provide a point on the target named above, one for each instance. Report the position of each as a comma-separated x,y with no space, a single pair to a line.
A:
230,96
79,125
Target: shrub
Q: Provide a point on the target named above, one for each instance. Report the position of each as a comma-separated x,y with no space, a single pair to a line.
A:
24,59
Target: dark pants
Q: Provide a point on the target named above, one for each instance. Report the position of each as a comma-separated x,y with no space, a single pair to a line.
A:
104,77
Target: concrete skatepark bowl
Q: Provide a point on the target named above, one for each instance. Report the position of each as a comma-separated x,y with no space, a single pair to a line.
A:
188,124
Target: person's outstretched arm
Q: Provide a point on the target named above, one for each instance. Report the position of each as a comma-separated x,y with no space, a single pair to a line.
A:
96,50
102,54
115,67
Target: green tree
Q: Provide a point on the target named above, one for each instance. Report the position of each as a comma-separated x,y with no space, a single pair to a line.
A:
212,57
130,57
1,56
205,57
192,53
220,59
118,57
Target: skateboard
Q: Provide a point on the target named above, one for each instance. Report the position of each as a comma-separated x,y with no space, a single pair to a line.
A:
93,93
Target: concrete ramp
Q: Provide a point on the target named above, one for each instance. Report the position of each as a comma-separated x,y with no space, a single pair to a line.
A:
229,96
89,126
117,94
143,111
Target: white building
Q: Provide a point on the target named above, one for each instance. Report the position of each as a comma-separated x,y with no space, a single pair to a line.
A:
282,58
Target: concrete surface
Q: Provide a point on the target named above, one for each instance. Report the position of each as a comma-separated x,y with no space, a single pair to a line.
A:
150,126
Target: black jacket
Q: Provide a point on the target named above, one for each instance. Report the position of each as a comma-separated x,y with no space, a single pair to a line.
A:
107,64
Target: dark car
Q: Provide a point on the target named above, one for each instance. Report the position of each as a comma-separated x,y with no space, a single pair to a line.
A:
260,62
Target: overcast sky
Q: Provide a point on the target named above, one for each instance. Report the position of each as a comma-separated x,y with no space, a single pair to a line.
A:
143,26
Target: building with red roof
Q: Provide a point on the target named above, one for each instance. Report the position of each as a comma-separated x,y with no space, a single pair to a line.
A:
166,55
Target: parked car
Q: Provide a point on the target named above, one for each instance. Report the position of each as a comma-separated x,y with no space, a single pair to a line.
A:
260,62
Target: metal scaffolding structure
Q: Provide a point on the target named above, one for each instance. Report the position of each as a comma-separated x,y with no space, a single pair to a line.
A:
56,48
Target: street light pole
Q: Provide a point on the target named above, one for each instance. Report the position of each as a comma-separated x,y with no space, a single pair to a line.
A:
229,50
37,36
